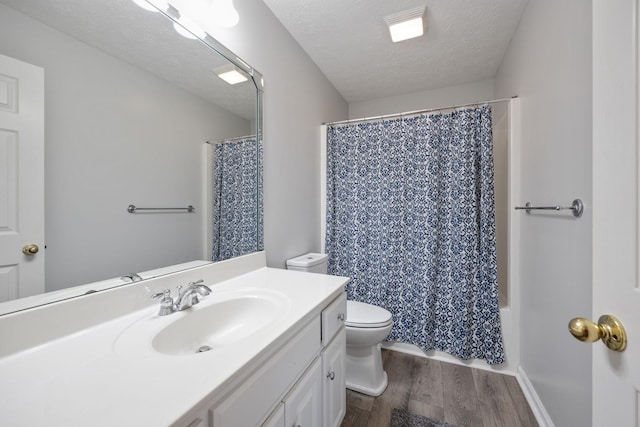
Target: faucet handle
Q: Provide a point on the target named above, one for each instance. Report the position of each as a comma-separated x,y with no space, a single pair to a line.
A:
164,294
166,303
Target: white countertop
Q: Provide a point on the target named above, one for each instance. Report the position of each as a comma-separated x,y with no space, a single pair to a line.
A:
86,379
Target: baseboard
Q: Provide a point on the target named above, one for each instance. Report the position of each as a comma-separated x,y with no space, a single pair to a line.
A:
445,357
541,414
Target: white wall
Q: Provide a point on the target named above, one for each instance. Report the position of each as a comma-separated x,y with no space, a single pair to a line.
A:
548,65
297,99
435,98
114,135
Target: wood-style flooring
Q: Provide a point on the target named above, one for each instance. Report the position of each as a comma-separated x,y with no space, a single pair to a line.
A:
458,395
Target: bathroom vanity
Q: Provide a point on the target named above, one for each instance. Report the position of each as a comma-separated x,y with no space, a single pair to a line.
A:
266,347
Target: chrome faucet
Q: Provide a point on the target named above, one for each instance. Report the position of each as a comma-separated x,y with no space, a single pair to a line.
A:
187,297
133,277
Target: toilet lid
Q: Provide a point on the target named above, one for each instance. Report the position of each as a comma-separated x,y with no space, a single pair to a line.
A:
362,315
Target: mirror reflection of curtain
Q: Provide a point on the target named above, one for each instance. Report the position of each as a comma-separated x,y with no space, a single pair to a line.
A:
410,218
237,198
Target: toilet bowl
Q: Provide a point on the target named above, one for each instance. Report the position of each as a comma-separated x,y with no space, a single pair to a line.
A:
366,326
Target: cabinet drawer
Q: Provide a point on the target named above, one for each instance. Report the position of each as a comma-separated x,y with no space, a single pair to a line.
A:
333,318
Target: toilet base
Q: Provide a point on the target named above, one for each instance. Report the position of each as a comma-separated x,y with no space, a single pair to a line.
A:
364,372
375,392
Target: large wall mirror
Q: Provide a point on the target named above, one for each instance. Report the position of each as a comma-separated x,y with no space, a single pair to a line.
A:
136,114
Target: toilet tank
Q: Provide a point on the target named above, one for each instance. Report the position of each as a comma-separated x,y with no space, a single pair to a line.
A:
311,263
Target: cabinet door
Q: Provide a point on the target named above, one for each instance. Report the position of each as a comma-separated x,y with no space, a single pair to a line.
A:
303,405
333,385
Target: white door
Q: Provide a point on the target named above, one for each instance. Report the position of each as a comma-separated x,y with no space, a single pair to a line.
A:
616,283
21,178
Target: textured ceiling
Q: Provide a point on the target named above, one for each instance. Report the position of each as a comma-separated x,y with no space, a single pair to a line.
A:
464,42
146,40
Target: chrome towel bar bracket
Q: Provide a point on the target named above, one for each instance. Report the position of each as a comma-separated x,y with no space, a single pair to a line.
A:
576,206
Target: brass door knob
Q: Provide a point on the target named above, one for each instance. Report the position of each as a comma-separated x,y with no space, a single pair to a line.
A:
609,329
30,249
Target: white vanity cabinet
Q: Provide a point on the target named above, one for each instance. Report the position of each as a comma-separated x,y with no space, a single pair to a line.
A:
274,364
319,398
301,384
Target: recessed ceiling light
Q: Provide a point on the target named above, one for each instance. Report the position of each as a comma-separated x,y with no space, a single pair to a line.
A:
230,74
233,77
406,25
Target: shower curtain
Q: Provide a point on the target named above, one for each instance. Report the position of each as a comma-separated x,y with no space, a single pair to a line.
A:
410,218
237,198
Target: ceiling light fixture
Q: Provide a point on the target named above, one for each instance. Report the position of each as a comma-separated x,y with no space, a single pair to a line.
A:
231,74
406,25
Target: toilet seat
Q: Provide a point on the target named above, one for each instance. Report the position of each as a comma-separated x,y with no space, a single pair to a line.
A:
363,315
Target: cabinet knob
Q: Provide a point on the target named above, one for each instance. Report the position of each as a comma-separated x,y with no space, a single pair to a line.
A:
341,317
331,375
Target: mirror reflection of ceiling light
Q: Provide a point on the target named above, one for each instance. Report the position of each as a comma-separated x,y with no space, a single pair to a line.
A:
224,13
149,5
406,25
183,31
188,28
230,74
196,16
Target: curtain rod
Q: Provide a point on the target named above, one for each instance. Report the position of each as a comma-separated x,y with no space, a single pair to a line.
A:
416,112
237,138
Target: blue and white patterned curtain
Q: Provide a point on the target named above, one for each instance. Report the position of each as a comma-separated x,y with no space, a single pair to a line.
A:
410,218
237,198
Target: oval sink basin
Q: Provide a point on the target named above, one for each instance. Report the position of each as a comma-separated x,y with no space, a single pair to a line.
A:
218,321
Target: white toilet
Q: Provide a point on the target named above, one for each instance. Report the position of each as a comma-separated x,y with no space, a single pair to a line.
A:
367,326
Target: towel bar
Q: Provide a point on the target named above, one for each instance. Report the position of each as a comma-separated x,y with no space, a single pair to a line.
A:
134,209
576,206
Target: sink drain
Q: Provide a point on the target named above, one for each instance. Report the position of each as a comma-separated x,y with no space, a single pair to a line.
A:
203,349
